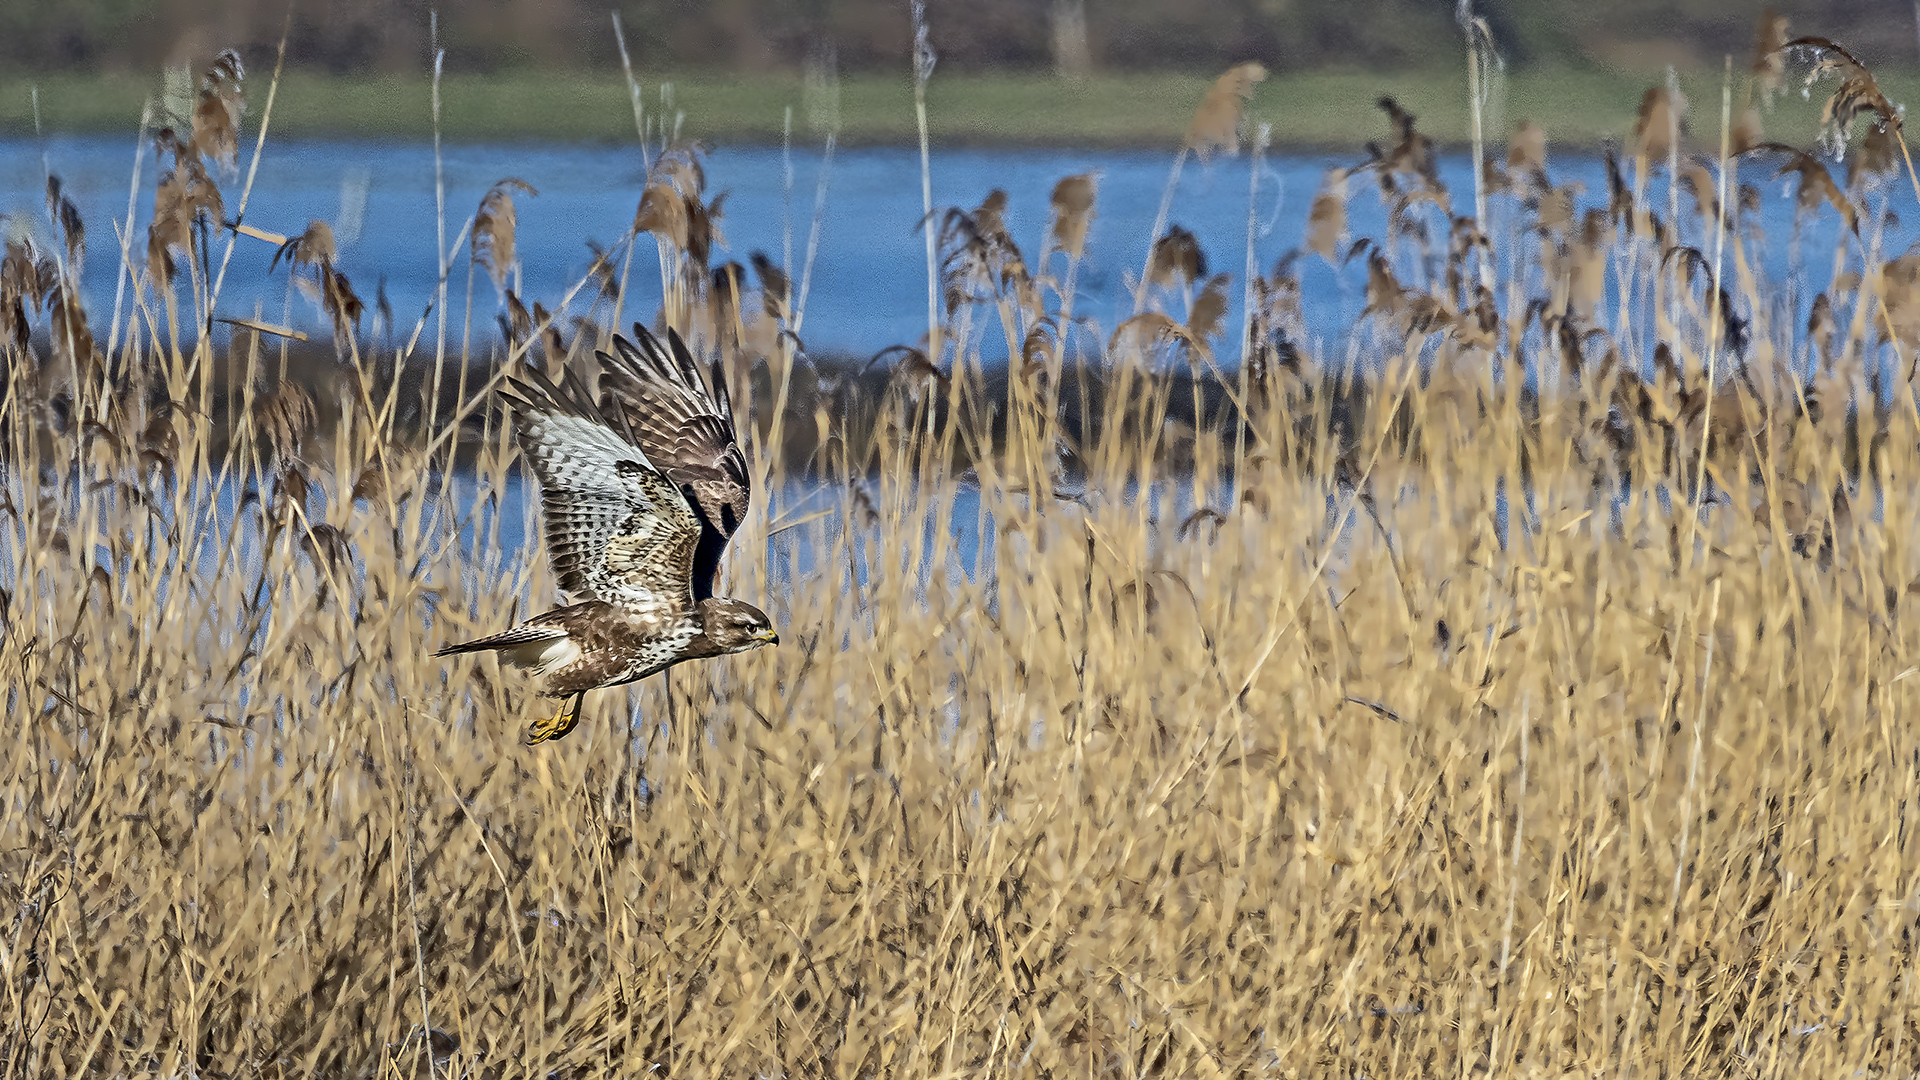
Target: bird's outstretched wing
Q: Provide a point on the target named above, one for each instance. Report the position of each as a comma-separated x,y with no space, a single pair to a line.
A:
617,530
684,423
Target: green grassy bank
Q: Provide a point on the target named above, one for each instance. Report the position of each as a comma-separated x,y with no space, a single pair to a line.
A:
1580,108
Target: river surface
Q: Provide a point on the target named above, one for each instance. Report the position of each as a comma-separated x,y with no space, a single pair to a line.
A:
868,285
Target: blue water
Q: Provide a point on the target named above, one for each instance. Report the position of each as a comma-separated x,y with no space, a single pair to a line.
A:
868,287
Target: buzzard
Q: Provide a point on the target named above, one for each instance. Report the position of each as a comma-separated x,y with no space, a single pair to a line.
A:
640,491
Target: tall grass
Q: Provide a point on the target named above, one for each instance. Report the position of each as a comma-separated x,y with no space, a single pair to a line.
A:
1424,740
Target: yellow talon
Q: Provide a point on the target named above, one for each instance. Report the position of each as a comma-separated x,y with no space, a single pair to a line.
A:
557,725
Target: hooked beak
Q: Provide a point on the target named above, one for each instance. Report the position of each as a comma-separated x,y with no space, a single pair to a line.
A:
769,635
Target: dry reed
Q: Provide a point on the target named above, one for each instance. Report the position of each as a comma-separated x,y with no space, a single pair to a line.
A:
1097,747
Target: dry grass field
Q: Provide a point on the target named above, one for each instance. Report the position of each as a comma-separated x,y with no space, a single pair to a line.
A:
1250,743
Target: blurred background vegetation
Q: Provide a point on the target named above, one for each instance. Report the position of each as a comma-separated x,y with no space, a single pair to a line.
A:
1017,72
373,36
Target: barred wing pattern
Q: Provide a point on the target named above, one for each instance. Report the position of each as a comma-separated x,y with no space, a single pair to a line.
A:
684,424
616,529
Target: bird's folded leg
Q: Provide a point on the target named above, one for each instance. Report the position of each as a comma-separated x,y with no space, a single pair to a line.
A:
557,725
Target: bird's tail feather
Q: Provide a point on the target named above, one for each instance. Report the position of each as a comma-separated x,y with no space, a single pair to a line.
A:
519,635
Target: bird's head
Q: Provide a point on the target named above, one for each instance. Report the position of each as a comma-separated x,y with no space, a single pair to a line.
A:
736,626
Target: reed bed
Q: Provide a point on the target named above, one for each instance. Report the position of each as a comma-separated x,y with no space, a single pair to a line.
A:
1518,685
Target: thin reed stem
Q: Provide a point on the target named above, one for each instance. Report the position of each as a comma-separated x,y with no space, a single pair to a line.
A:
1714,313
1159,227
922,71
439,197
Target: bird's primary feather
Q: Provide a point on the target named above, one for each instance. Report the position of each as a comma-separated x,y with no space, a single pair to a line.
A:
684,424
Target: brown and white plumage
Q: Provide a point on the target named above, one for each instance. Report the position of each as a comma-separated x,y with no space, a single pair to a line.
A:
640,490
686,430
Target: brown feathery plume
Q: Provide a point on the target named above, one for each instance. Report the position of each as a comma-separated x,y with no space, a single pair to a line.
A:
912,372
216,116
1276,305
1526,164
703,230
161,437
662,212
1464,239
775,288
516,325
983,234
679,168
1816,184
291,490
1209,308
338,299
1479,327
1527,149
1151,330
602,270
1003,255
1038,348
671,209
550,339
1821,328
315,247
1697,180
184,196
1688,261
1270,345
370,486
66,218
493,229
981,262
1900,292
1402,221
1666,369
1216,124
334,293
1493,176
328,549
383,316
290,417
1204,518
1555,210
1412,154
723,300
1073,212
1662,119
287,416
1384,292
21,286
990,217
67,331
1587,266
1619,195
1857,93
1427,313
1872,160
1327,220
1769,65
1177,259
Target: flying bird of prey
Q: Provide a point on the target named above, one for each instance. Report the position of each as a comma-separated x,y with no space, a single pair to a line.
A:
640,491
